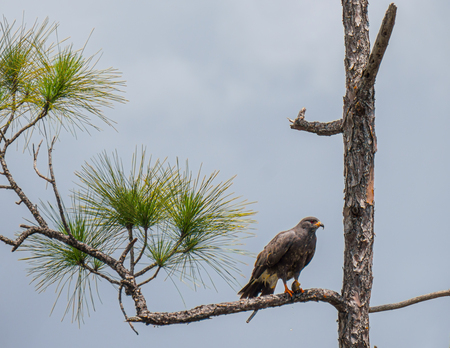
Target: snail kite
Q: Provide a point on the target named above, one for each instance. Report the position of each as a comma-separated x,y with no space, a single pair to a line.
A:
283,258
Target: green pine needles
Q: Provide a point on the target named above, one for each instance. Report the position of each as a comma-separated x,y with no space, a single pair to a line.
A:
123,226
41,79
154,217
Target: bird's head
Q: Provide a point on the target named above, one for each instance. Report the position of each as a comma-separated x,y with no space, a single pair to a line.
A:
311,223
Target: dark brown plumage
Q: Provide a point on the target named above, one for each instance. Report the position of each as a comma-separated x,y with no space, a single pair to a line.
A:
283,258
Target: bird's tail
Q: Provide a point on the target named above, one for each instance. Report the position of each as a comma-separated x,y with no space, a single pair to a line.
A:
252,289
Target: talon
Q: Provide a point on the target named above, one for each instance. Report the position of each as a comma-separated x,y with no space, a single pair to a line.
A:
287,291
296,287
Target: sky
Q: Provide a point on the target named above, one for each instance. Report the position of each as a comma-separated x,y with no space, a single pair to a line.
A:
214,82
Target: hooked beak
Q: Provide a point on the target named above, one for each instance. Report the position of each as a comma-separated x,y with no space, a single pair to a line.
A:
319,224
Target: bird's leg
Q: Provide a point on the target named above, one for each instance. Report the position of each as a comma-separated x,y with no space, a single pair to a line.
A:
296,287
286,289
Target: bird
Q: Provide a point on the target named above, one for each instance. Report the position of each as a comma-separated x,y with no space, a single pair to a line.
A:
284,257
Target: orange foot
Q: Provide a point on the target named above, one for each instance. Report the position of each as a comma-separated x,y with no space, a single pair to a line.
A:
287,291
296,287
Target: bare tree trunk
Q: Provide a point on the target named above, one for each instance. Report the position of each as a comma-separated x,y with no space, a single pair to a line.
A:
359,152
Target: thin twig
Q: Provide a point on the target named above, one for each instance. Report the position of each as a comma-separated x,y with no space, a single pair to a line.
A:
153,265
104,276
11,117
6,187
143,247
43,113
35,156
24,235
411,301
146,269
151,278
126,251
55,189
131,245
123,309
52,181
2,135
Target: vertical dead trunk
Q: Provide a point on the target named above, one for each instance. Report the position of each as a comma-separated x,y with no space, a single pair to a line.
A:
359,151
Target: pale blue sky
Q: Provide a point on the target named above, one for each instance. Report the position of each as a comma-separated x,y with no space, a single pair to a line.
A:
213,82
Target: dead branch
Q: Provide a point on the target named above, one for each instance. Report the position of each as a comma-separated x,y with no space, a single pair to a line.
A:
31,207
319,128
212,310
123,309
52,181
379,48
6,187
411,301
55,190
35,156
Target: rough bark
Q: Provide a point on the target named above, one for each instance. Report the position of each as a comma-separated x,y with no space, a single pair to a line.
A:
207,311
359,154
319,128
359,151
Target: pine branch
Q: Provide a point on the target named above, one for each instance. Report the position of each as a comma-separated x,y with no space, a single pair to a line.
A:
104,276
151,278
43,113
127,250
23,198
212,310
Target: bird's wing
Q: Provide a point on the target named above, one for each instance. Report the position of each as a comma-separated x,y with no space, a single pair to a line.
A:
273,252
278,246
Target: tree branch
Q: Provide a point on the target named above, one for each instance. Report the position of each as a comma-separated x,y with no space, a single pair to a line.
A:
23,198
35,156
110,261
123,309
411,301
43,113
146,269
212,310
151,278
7,240
52,181
319,128
126,251
379,48
104,276
143,247
153,265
